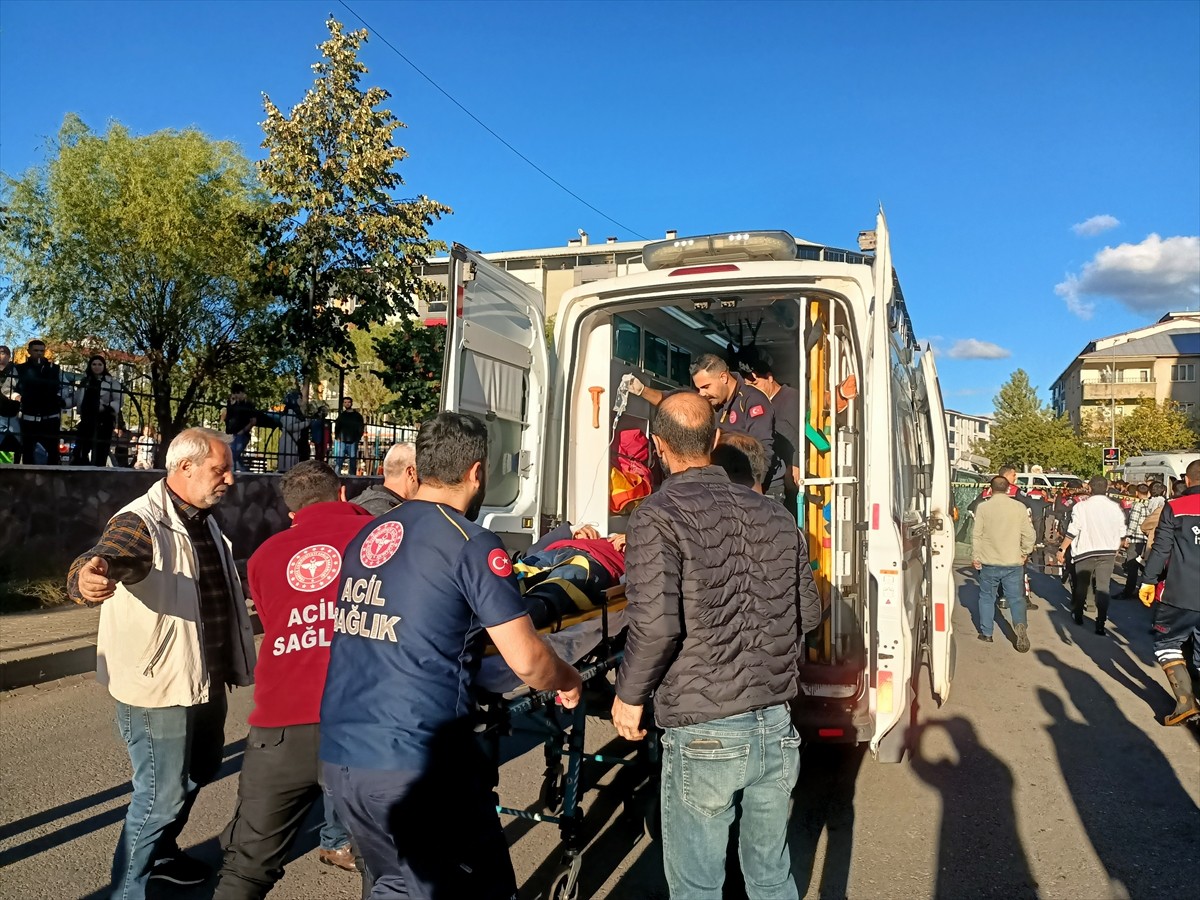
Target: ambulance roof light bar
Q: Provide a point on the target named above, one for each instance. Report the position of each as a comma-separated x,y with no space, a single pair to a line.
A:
744,245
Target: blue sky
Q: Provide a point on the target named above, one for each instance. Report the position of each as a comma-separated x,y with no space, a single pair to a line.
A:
1039,162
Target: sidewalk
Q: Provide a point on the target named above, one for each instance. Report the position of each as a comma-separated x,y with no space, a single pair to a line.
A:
41,646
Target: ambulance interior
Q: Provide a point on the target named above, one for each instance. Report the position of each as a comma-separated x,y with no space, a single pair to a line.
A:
814,347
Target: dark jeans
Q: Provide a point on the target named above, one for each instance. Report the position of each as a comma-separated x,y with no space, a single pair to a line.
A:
92,440
1133,569
46,433
175,751
991,579
430,834
237,446
1173,625
1092,577
280,782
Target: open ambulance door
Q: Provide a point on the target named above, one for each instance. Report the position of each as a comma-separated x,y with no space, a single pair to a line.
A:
940,598
497,368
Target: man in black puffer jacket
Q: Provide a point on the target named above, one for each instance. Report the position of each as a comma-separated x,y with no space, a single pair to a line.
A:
720,595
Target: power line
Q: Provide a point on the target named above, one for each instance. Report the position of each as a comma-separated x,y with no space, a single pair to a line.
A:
484,125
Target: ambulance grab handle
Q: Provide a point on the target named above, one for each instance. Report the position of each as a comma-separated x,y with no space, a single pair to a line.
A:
596,392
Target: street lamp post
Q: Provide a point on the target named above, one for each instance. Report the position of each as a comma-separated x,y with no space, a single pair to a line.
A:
1112,408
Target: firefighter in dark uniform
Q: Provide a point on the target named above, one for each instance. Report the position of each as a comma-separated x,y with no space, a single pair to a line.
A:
739,406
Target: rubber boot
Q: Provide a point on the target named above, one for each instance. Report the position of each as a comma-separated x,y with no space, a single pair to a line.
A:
1181,683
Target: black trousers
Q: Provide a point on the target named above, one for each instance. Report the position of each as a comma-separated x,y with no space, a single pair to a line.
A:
1133,569
280,782
46,433
93,437
1092,577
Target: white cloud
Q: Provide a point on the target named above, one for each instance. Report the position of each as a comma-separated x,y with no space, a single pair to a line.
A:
970,348
1154,276
1095,225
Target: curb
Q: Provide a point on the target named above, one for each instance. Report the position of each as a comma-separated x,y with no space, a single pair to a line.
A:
75,657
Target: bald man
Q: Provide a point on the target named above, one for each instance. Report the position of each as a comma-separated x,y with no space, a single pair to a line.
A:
716,577
399,481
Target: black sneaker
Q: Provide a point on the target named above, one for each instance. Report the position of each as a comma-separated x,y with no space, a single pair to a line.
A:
180,869
1100,629
1029,604
1002,604
986,638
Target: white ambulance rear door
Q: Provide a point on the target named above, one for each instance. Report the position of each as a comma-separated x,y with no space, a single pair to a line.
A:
941,597
497,368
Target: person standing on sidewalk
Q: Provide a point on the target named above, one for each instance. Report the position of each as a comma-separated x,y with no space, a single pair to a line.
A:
239,417
293,580
1001,541
10,407
39,383
1177,615
1093,537
174,632
347,432
720,597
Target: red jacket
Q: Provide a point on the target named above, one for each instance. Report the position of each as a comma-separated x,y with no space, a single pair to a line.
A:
294,579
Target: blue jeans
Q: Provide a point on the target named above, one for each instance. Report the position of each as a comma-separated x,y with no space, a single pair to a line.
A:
990,579
754,755
343,450
238,446
334,835
174,750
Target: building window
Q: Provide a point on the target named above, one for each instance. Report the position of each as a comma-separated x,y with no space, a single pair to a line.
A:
1183,372
952,437
952,422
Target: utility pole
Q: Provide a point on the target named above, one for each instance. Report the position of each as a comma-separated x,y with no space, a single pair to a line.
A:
1112,408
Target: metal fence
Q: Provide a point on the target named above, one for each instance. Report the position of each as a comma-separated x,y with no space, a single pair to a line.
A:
269,450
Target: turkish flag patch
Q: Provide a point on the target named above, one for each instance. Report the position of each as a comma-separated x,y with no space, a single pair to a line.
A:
756,411
499,563
732,417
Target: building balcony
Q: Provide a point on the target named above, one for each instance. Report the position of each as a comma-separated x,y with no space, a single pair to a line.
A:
1107,391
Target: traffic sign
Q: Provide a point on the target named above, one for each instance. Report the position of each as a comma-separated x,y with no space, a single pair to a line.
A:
1112,456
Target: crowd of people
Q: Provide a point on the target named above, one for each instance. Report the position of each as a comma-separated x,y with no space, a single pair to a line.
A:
36,395
1086,532
374,616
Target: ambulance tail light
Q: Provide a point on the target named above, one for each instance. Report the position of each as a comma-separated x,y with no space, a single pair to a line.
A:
883,692
743,245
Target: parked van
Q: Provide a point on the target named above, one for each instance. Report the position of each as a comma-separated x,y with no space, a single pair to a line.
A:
1164,467
876,505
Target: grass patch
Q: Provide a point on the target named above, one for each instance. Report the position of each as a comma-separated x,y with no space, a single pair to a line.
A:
28,583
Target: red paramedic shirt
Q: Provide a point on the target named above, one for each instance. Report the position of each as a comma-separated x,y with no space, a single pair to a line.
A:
294,579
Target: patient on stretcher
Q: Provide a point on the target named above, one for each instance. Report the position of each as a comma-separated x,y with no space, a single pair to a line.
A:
564,576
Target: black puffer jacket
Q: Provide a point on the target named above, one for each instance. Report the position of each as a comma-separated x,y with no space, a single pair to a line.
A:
719,591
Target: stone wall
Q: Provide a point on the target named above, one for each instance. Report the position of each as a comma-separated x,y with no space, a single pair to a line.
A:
51,514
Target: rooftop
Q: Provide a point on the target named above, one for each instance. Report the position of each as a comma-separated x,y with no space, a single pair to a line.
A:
1165,343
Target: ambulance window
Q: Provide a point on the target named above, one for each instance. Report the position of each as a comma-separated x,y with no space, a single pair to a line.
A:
656,355
681,360
627,341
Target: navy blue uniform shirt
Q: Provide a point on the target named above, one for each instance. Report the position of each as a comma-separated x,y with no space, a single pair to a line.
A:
419,586
748,410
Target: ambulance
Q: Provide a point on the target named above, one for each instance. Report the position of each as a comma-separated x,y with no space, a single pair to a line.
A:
876,501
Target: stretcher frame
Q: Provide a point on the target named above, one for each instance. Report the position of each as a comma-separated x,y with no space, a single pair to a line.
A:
537,712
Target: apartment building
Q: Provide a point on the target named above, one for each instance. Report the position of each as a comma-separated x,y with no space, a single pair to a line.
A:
965,433
1112,375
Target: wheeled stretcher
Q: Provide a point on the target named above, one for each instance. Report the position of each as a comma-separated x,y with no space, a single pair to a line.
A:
512,719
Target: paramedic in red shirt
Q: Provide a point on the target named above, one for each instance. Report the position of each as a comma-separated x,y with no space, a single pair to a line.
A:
294,578
739,406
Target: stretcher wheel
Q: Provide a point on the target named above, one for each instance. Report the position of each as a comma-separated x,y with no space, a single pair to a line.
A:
552,795
562,888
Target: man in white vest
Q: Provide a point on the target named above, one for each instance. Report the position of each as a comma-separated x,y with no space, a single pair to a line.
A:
174,632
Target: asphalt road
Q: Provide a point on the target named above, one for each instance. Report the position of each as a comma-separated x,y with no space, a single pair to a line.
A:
1046,775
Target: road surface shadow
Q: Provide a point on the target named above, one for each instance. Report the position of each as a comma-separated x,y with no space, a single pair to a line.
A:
1143,825
980,853
232,756
824,804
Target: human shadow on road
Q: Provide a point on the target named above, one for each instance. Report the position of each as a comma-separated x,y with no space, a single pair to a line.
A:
979,849
1141,821
232,756
824,804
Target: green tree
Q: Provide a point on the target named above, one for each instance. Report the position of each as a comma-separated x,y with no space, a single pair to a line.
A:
411,358
1027,433
1151,427
343,250
143,244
